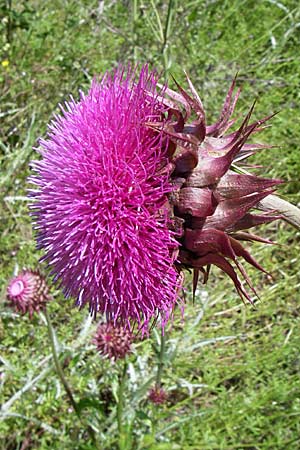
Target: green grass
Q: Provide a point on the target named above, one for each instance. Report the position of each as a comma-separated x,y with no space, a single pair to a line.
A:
233,374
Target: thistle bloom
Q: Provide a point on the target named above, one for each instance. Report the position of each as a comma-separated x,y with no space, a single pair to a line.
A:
28,292
101,205
113,342
130,191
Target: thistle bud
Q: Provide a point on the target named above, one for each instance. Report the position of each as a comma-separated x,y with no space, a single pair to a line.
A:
113,341
158,396
28,292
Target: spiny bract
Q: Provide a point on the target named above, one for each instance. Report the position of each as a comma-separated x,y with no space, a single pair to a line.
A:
211,202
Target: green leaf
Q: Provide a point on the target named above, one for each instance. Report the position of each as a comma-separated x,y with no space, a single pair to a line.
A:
89,403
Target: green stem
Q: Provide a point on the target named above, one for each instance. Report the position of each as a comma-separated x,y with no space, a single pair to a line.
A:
58,365
160,365
120,405
62,378
134,19
166,34
9,23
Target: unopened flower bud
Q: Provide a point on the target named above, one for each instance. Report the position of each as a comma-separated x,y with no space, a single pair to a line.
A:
113,341
28,292
158,395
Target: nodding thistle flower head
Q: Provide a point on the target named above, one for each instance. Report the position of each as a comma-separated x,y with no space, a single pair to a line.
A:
101,205
130,190
158,395
28,292
113,341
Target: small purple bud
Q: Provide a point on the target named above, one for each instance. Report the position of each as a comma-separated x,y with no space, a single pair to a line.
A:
28,292
113,341
158,396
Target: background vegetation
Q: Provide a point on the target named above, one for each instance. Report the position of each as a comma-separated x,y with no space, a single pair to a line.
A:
231,371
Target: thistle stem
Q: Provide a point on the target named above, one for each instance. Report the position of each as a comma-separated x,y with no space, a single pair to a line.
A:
134,20
58,365
62,378
160,365
9,23
120,405
289,212
166,35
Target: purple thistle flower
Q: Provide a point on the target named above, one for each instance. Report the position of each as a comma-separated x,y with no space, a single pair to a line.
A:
113,342
101,206
28,292
134,187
